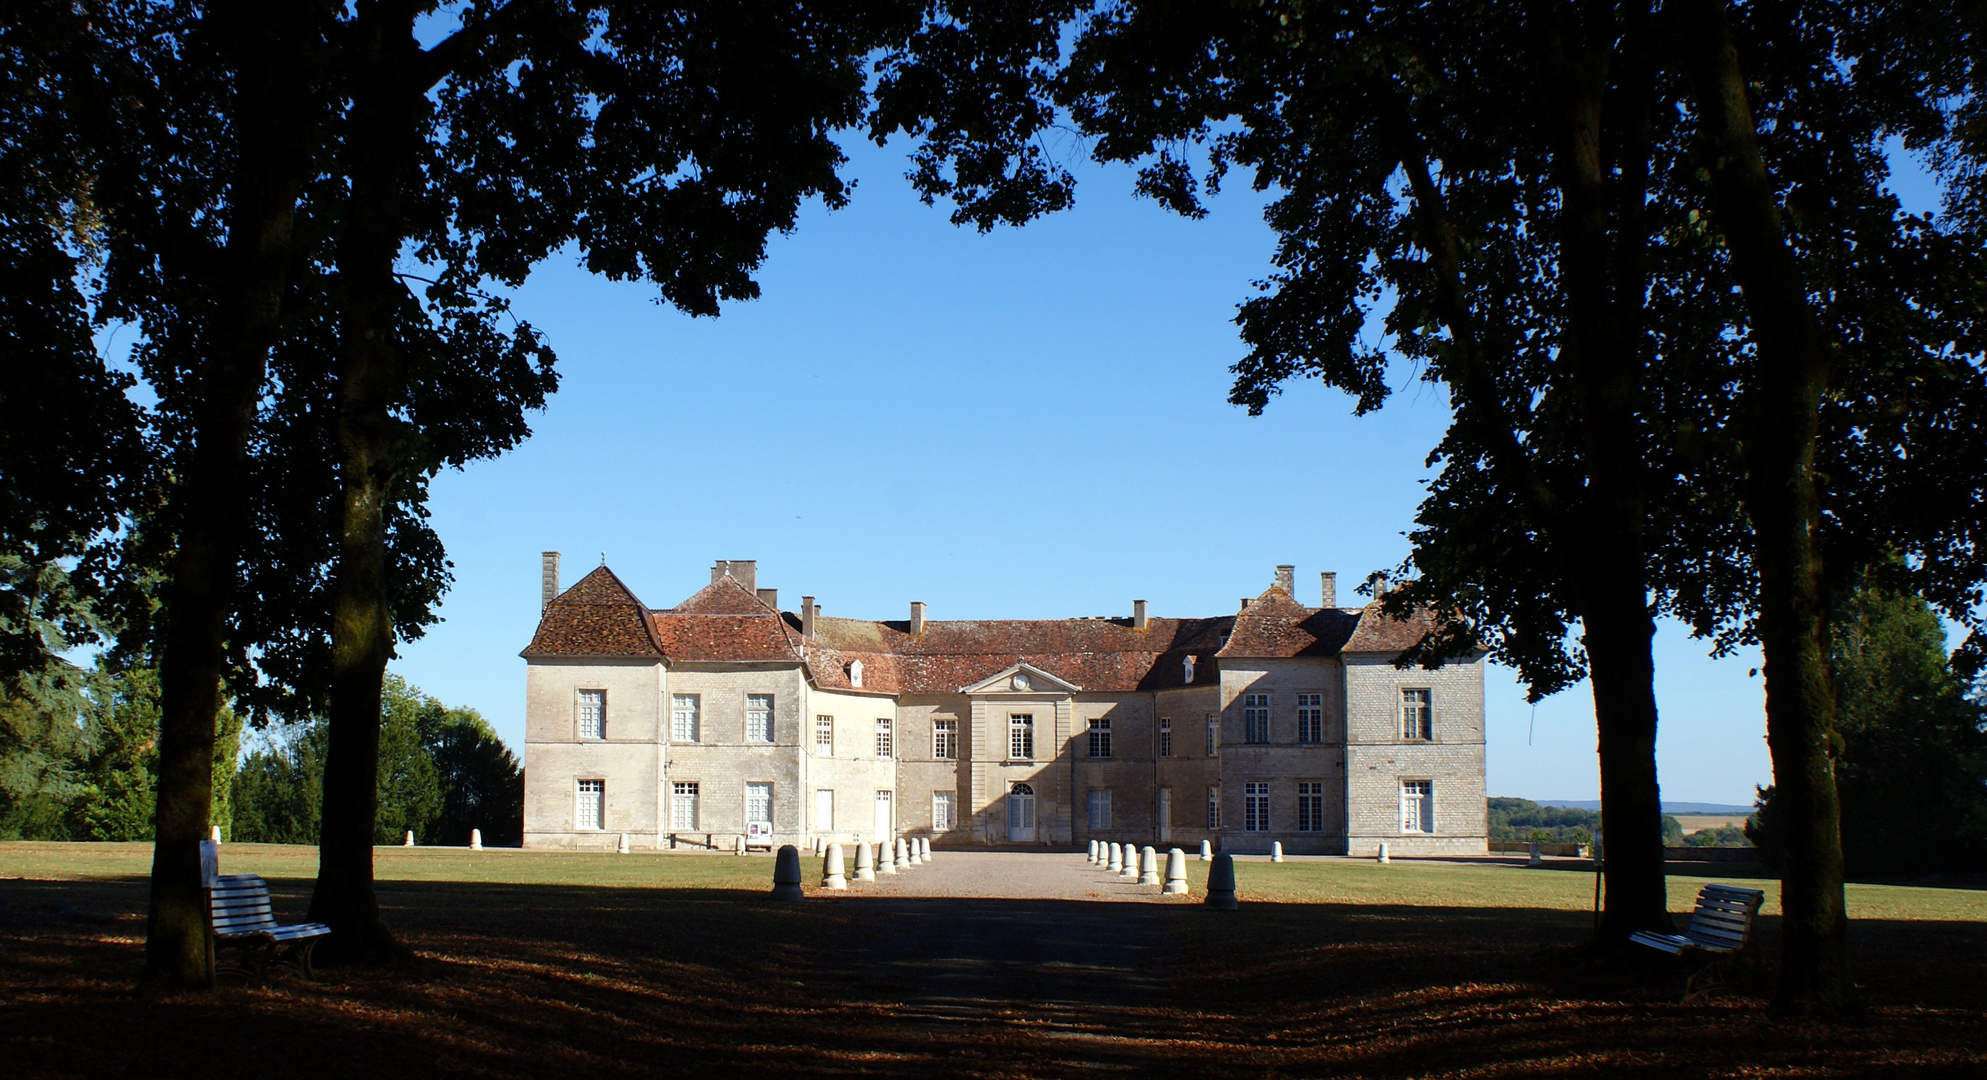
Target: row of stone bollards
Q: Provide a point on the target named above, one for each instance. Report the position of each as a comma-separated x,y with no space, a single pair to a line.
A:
898,856
1142,865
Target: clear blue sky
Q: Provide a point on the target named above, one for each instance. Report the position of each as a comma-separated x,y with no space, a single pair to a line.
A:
1025,424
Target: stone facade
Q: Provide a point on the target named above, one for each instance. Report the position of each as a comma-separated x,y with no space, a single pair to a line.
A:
726,718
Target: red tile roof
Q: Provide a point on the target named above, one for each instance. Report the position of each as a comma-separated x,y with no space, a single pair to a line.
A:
726,622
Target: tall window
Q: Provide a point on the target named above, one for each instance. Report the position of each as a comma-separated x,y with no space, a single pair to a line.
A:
885,744
1100,737
1100,811
824,810
1310,807
759,718
944,739
759,804
1417,715
1021,736
683,806
1255,807
1213,735
590,806
1417,806
824,736
942,819
1165,736
683,718
593,714
1255,718
1310,718
1213,808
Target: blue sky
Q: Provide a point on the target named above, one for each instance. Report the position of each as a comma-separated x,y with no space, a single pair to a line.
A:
1025,424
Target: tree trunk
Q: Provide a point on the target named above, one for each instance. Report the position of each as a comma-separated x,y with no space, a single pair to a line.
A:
381,146
1781,419
268,51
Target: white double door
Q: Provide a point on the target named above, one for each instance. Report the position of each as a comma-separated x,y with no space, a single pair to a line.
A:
886,820
1020,814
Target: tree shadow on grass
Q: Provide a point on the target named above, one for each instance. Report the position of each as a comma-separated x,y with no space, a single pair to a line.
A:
529,980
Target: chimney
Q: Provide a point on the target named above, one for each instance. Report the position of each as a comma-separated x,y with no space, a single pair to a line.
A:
1286,579
746,573
1329,582
1138,614
770,598
917,616
1245,602
718,570
806,616
548,587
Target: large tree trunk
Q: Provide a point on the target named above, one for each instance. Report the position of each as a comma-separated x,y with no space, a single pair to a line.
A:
268,51
381,146
1601,165
1781,419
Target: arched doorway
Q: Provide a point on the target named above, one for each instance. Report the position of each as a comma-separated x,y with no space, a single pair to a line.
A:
1020,814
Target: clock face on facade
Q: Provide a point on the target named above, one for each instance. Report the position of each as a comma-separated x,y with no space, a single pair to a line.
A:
1020,681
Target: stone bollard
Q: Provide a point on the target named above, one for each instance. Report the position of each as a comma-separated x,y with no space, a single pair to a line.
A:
865,866
1114,860
903,849
475,839
1093,853
820,846
1221,883
1583,852
1383,852
409,842
924,849
886,863
1276,851
1148,866
786,874
621,845
1206,851
833,875
1176,873
739,847
214,834
1130,869
1533,859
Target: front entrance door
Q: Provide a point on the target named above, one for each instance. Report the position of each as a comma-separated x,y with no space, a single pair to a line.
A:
885,820
1165,814
1021,814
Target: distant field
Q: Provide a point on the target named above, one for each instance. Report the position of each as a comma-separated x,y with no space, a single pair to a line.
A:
1697,822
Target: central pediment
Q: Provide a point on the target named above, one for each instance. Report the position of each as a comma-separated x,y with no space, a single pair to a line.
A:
1021,679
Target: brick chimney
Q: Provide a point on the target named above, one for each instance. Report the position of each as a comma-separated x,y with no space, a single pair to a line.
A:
1138,614
548,571
917,616
1328,582
807,616
1286,579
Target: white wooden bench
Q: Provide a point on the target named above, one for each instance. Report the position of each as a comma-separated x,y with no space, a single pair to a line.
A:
240,915
1718,931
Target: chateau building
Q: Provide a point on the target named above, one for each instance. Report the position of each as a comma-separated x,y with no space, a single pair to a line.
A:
725,717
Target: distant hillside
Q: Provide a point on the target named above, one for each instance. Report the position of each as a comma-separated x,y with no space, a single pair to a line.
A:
1668,807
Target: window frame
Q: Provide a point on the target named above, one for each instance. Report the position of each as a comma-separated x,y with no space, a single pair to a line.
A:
1021,736
886,738
1423,800
1310,718
824,724
679,791
1255,719
950,801
944,738
1100,737
758,738
695,712
580,701
1255,806
1214,808
1213,734
596,787
1165,736
771,804
1310,806
1093,800
1423,709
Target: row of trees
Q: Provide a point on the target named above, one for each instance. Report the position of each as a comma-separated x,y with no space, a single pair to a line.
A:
84,766
1699,361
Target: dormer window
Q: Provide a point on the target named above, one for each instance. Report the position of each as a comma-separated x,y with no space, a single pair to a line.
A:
1187,669
855,673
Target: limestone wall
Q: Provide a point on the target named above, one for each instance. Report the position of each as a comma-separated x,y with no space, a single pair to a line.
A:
627,761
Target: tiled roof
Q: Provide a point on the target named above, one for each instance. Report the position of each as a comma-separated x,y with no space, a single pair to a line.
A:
726,622
598,616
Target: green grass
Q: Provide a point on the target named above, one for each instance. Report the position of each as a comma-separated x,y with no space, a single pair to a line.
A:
78,862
